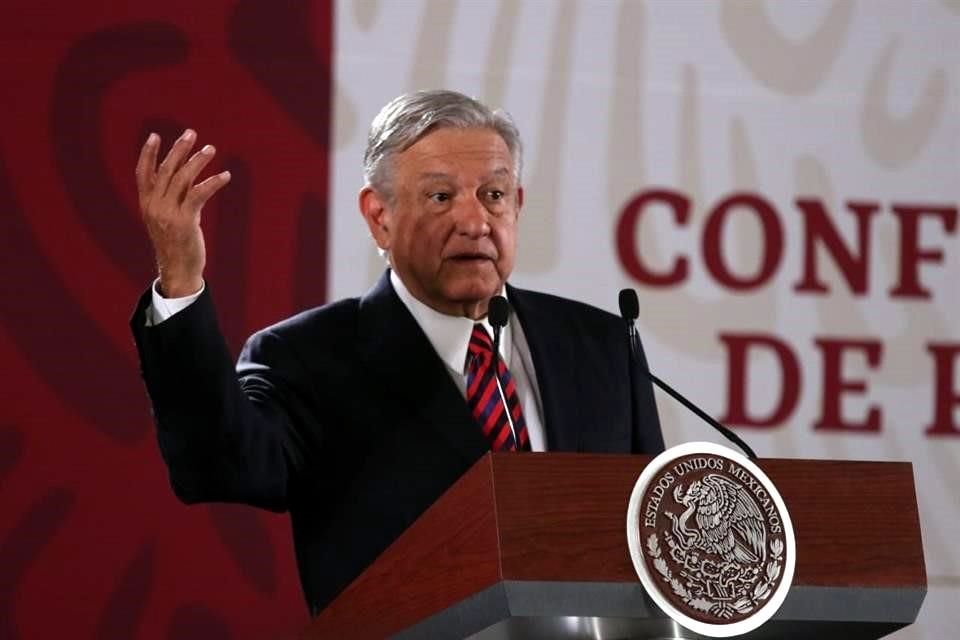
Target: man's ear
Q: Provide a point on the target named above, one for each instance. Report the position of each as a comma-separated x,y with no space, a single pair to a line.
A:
519,198
376,212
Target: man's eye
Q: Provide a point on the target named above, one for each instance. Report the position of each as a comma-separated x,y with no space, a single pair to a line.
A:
495,194
440,196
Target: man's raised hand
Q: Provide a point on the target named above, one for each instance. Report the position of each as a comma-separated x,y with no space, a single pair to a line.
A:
171,203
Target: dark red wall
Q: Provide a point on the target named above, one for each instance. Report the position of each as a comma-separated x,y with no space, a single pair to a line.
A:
92,542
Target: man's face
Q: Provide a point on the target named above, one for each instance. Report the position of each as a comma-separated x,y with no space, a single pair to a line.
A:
451,226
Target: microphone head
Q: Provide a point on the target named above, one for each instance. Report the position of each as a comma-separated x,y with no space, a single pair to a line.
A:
498,312
629,305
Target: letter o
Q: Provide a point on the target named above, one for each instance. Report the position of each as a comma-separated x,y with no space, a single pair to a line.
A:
713,241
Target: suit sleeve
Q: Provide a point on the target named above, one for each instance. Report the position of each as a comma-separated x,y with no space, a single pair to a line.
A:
647,434
226,434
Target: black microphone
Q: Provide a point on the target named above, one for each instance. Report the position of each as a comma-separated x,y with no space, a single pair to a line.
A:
498,313
629,311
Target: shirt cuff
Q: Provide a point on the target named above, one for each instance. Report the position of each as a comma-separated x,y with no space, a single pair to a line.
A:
162,308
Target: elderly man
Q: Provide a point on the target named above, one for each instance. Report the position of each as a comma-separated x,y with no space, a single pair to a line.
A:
357,415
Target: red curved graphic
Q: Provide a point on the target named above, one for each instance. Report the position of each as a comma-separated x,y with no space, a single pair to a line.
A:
90,527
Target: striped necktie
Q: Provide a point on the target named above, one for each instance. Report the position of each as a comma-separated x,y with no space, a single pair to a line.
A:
485,401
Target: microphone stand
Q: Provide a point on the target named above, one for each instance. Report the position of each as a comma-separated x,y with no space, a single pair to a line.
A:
629,310
498,313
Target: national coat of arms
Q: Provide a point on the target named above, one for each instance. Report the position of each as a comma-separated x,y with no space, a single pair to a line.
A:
711,539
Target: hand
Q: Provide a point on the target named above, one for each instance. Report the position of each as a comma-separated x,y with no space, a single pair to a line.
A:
171,203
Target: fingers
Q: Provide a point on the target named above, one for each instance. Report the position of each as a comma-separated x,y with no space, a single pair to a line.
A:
147,165
183,179
174,160
169,188
198,195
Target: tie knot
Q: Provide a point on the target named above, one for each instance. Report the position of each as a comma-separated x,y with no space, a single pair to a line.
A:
480,339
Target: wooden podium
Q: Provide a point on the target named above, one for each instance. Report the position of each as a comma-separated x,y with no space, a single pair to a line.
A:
535,546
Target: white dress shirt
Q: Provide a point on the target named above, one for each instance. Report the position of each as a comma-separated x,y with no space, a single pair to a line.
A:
449,336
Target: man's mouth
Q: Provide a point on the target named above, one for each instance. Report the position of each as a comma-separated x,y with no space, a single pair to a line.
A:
470,257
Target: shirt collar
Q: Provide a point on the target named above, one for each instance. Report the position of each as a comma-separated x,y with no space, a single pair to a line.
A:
449,335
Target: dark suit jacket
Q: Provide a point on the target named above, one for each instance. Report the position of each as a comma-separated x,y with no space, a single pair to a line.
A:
346,416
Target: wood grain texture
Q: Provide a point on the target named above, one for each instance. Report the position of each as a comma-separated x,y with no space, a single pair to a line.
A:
856,523
563,517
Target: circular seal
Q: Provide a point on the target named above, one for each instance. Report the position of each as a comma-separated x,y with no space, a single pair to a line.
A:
711,539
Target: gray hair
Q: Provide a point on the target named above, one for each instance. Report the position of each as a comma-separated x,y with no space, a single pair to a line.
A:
408,118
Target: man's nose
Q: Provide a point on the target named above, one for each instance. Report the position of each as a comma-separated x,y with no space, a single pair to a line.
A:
472,217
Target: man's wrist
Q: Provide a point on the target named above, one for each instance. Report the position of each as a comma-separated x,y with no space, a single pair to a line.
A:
163,307
178,288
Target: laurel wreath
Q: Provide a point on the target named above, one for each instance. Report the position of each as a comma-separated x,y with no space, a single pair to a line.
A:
743,605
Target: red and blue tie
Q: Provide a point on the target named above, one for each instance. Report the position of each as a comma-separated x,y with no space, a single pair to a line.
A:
484,399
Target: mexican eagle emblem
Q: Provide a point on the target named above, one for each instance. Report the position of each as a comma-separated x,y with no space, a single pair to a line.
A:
711,539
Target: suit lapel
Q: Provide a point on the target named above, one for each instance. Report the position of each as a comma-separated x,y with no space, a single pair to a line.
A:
411,374
553,359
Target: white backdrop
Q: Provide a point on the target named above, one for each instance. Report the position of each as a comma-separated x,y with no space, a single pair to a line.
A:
832,101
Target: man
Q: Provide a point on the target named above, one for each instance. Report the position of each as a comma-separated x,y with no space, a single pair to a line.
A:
357,415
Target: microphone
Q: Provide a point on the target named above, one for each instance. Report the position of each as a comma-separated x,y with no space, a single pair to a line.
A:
629,311
498,313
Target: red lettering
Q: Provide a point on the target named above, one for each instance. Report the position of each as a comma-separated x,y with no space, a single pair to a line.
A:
821,236
835,385
911,254
818,226
626,237
713,241
946,395
737,349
